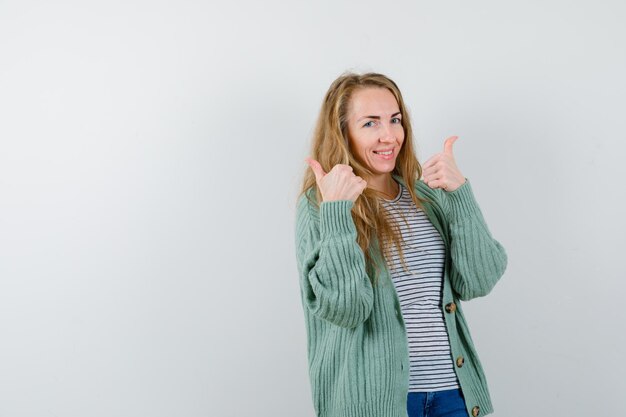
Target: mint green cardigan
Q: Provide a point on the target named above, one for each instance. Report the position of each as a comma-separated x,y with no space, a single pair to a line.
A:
356,339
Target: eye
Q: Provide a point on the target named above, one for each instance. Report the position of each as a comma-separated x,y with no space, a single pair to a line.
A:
369,124
396,120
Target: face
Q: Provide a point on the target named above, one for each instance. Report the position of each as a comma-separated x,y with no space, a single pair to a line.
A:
375,129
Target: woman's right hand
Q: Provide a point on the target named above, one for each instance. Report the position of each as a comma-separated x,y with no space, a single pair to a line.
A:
338,184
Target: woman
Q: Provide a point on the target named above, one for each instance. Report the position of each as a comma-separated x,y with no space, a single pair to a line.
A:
384,260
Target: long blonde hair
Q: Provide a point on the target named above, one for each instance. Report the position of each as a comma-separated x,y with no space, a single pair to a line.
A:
330,146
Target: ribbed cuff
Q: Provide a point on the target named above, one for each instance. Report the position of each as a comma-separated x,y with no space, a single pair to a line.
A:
461,202
336,217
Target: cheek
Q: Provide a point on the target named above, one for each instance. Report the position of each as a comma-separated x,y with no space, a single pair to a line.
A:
361,143
357,147
401,136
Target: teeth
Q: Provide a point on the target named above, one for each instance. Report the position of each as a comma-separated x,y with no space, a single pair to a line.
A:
384,153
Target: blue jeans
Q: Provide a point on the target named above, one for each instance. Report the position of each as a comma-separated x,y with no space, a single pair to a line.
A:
448,403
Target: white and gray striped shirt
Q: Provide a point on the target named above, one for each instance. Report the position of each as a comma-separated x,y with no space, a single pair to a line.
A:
419,292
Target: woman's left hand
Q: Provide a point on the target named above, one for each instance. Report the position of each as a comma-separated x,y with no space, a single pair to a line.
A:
440,171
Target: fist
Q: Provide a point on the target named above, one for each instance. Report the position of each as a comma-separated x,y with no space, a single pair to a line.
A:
339,183
440,171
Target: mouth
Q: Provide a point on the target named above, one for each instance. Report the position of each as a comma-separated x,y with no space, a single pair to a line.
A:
386,154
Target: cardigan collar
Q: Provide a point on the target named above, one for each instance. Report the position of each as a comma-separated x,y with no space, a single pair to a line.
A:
428,205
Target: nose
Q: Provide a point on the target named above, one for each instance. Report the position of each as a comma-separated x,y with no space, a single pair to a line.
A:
387,134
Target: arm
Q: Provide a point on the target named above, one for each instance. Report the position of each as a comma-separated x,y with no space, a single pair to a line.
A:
478,260
333,279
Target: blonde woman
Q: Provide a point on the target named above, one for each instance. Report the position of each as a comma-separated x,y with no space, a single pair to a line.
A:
386,251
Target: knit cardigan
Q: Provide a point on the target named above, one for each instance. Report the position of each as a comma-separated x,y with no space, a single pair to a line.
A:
356,338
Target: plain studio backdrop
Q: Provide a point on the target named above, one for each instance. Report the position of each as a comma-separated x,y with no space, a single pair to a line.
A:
152,152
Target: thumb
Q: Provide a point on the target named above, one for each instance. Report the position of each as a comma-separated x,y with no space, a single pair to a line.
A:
447,145
316,168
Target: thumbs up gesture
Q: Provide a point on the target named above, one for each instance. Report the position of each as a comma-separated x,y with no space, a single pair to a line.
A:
338,184
440,171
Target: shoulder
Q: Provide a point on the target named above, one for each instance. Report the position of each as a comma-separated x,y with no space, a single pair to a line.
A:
457,204
424,191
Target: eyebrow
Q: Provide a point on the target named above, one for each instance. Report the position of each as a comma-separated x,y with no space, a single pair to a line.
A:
376,117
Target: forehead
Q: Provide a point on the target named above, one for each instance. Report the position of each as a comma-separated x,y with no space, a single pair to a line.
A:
373,101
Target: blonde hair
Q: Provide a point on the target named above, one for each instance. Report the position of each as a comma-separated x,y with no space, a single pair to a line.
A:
330,146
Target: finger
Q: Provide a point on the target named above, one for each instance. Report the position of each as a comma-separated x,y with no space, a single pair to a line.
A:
317,169
430,171
433,160
430,179
447,145
343,169
430,162
436,184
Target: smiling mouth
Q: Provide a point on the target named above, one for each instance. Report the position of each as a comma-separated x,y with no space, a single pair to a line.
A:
389,152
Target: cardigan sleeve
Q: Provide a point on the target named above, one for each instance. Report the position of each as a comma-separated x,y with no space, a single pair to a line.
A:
478,260
333,279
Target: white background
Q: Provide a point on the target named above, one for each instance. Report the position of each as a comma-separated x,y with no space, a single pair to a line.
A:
150,158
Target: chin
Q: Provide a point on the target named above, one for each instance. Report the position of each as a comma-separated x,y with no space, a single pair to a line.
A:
383,169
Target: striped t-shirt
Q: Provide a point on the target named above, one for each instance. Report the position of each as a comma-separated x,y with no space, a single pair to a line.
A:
419,292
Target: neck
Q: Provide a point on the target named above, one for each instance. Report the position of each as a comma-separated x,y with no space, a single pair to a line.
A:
384,184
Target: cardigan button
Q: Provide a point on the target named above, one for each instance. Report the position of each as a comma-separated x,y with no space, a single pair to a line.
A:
450,307
475,411
460,361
